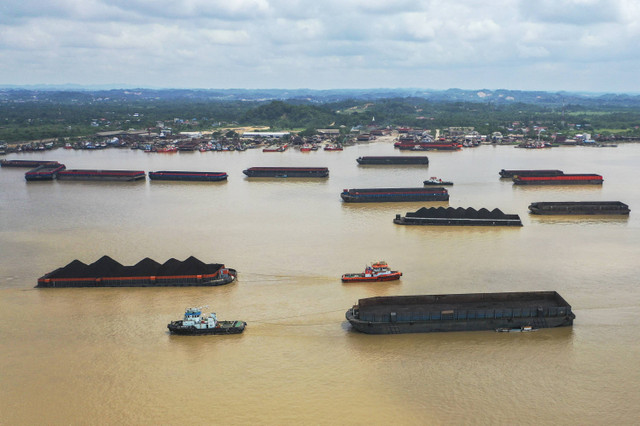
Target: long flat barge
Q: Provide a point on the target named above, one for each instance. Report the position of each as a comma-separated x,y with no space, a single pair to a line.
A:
509,173
418,146
44,172
283,172
378,195
564,179
460,312
391,160
579,208
106,272
450,216
101,175
188,176
25,163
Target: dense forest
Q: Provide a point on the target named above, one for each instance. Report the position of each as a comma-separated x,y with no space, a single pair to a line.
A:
27,115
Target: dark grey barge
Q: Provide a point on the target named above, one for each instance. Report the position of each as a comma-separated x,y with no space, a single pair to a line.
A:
171,175
44,172
511,173
391,160
25,163
101,175
579,208
460,312
106,272
450,216
283,172
379,195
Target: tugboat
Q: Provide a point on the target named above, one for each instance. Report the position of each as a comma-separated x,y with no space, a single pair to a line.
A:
436,181
195,324
378,271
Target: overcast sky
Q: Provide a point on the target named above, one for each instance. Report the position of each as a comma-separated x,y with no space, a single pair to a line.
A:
574,45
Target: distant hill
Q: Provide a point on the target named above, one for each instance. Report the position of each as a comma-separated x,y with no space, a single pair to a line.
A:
79,94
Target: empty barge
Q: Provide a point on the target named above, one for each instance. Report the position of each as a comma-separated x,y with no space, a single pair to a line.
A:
378,195
504,173
460,216
101,175
460,312
44,172
188,176
283,172
579,208
25,163
106,272
391,160
564,179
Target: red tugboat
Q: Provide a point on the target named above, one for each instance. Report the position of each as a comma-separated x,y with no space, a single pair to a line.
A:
378,271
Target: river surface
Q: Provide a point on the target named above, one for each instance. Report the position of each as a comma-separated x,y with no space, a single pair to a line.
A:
104,356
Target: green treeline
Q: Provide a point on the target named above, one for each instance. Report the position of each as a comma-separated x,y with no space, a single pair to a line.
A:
55,118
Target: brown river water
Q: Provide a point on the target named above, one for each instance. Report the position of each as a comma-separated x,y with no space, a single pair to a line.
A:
104,356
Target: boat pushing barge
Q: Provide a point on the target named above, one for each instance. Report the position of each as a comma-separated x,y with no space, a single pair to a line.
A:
579,208
106,272
460,312
378,195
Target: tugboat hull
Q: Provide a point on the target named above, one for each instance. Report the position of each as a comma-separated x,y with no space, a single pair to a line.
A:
223,327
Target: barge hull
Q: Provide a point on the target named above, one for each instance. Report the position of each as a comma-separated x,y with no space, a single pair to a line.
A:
460,312
579,208
188,176
391,160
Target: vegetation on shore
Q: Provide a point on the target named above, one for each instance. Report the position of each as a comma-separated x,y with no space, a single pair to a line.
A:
32,115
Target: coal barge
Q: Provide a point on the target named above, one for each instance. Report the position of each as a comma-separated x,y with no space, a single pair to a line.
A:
391,160
564,179
379,195
106,272
460,312
460,216
504,173
44,172
101,175
283,172
188,176
579,208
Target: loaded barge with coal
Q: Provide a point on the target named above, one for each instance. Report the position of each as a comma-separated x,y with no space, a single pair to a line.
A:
283,172
504,173
188,176
101,175
563,179
460,312
106,272
460,216
393,160
379,195
579,208
44,172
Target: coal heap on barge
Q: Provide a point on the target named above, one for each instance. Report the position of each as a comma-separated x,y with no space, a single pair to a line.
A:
460,312
460,216
106,272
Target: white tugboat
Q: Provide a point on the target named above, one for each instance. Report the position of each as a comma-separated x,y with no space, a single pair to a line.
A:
194,323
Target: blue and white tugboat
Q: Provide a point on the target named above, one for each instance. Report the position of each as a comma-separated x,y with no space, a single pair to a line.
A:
194,324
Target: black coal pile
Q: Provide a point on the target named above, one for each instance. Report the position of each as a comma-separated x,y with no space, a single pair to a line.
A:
106,267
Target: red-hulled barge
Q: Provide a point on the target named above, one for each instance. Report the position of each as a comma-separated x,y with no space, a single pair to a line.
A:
564,179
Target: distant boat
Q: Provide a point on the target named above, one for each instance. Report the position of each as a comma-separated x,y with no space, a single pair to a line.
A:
435,181
378,271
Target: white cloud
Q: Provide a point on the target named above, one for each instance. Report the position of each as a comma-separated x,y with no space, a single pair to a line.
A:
266,43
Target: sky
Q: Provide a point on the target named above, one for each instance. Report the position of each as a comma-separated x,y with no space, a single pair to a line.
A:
550,45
